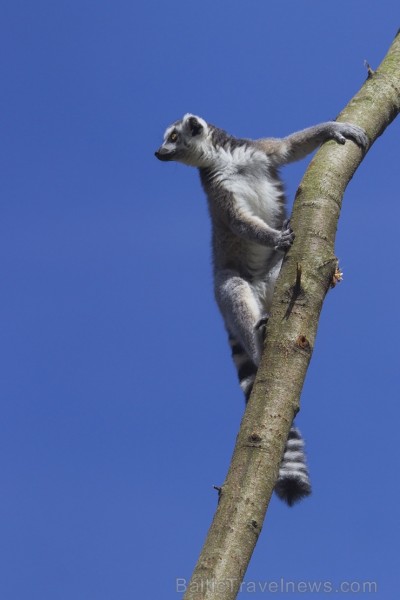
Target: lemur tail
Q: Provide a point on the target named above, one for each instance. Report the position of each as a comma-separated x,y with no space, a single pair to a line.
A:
293,482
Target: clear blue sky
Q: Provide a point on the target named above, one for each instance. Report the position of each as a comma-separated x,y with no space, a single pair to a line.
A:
119,402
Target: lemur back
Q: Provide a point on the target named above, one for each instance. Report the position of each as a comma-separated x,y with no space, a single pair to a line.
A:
250,234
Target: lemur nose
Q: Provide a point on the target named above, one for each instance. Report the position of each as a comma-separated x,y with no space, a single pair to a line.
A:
162,154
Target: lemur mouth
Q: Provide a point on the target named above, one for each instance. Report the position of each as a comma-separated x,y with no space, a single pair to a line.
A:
163,154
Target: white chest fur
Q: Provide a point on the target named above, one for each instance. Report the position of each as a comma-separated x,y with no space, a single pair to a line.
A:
245,172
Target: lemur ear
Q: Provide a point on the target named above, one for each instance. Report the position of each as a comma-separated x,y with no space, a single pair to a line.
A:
194,126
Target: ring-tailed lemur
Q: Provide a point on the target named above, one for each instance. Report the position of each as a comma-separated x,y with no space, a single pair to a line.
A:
250,234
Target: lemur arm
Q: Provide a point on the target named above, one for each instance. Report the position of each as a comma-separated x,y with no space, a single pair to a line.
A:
298,145
247,226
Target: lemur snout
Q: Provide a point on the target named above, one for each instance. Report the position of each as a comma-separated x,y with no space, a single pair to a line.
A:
162,154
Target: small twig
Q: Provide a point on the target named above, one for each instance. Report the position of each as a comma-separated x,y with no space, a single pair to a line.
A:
337,276
295,291
370,71
219,490
297,285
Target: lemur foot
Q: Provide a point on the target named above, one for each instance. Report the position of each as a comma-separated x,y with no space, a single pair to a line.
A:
352,132
286,237
262,322
260,327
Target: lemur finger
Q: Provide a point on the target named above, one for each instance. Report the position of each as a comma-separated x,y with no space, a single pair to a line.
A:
360,137
355,133
288,235
340,138
285,241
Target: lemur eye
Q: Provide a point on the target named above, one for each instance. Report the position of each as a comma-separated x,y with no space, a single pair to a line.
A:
173,137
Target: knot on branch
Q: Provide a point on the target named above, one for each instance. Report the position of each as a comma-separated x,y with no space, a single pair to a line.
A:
254,438
303,343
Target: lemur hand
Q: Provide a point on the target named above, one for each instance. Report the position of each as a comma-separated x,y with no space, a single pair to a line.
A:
341,131
285,238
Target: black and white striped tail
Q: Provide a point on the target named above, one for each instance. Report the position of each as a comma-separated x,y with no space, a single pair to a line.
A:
245,367
293,481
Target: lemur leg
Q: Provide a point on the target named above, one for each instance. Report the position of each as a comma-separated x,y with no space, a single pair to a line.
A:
241,310
264,287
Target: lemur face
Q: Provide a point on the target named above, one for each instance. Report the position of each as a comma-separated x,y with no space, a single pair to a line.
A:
183,141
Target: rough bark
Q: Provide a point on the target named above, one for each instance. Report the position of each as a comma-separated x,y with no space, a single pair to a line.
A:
306,276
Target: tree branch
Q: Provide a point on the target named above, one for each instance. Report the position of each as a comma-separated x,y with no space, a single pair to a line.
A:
307,273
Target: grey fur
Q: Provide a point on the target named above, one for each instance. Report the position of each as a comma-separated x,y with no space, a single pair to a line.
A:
250,234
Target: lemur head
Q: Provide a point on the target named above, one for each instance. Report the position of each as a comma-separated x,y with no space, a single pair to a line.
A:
185,141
